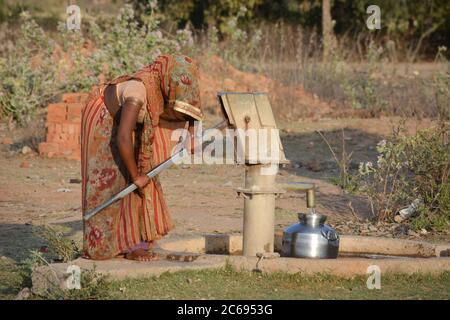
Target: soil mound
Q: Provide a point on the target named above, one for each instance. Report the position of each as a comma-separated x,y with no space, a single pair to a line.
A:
288,102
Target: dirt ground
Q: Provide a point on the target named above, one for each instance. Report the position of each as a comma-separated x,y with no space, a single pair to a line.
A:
37,191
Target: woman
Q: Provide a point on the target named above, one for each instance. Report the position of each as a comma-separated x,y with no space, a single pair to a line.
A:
126,131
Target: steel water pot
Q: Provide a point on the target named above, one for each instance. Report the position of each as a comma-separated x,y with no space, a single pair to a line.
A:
310,238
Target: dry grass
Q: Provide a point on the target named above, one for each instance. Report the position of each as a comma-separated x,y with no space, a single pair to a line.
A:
362,78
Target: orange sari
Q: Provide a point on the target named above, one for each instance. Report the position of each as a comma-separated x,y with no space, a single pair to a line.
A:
172,89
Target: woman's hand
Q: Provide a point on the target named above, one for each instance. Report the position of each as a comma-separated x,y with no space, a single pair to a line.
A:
141,181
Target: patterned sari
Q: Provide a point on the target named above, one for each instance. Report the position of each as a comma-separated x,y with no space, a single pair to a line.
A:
171,83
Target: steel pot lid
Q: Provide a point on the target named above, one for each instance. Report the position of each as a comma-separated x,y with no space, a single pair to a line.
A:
312,219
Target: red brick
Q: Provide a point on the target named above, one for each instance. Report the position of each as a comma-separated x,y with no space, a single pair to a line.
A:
67,152
74,129
72,138
57,108
74,108
51,126
60,137
56,112
65,127
74,97
69,97
73,118
75,154
67,148
70,128
57,128
51,136
55,117
46,147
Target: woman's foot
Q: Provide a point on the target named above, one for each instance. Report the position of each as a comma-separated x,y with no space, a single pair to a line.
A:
152,244
141,255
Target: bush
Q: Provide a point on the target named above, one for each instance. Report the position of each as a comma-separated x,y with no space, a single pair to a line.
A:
11,277
27,72
410,168
94,286
41,66
59,247
121,46
238,46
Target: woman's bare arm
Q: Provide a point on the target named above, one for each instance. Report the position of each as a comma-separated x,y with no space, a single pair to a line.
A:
128,118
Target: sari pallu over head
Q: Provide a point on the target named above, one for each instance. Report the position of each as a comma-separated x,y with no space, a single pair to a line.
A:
173,93
179,86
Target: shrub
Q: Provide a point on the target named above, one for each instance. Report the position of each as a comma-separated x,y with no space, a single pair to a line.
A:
27,72
60,248
441,86
41,66
119,47
11,277
238,46
94,286
410,168
362,90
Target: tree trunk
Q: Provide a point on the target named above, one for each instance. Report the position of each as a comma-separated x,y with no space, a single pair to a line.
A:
327,30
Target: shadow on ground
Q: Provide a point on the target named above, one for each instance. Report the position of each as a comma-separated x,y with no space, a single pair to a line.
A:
19,239
342,204
311,157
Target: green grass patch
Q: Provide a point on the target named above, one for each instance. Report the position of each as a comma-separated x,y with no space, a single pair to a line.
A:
12,278
230,284
227,283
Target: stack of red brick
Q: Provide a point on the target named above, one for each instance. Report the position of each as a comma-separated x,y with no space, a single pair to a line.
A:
64,128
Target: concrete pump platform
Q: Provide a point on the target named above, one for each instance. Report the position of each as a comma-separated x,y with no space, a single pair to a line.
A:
213,251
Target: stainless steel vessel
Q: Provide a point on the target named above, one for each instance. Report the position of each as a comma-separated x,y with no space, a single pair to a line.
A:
310,238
